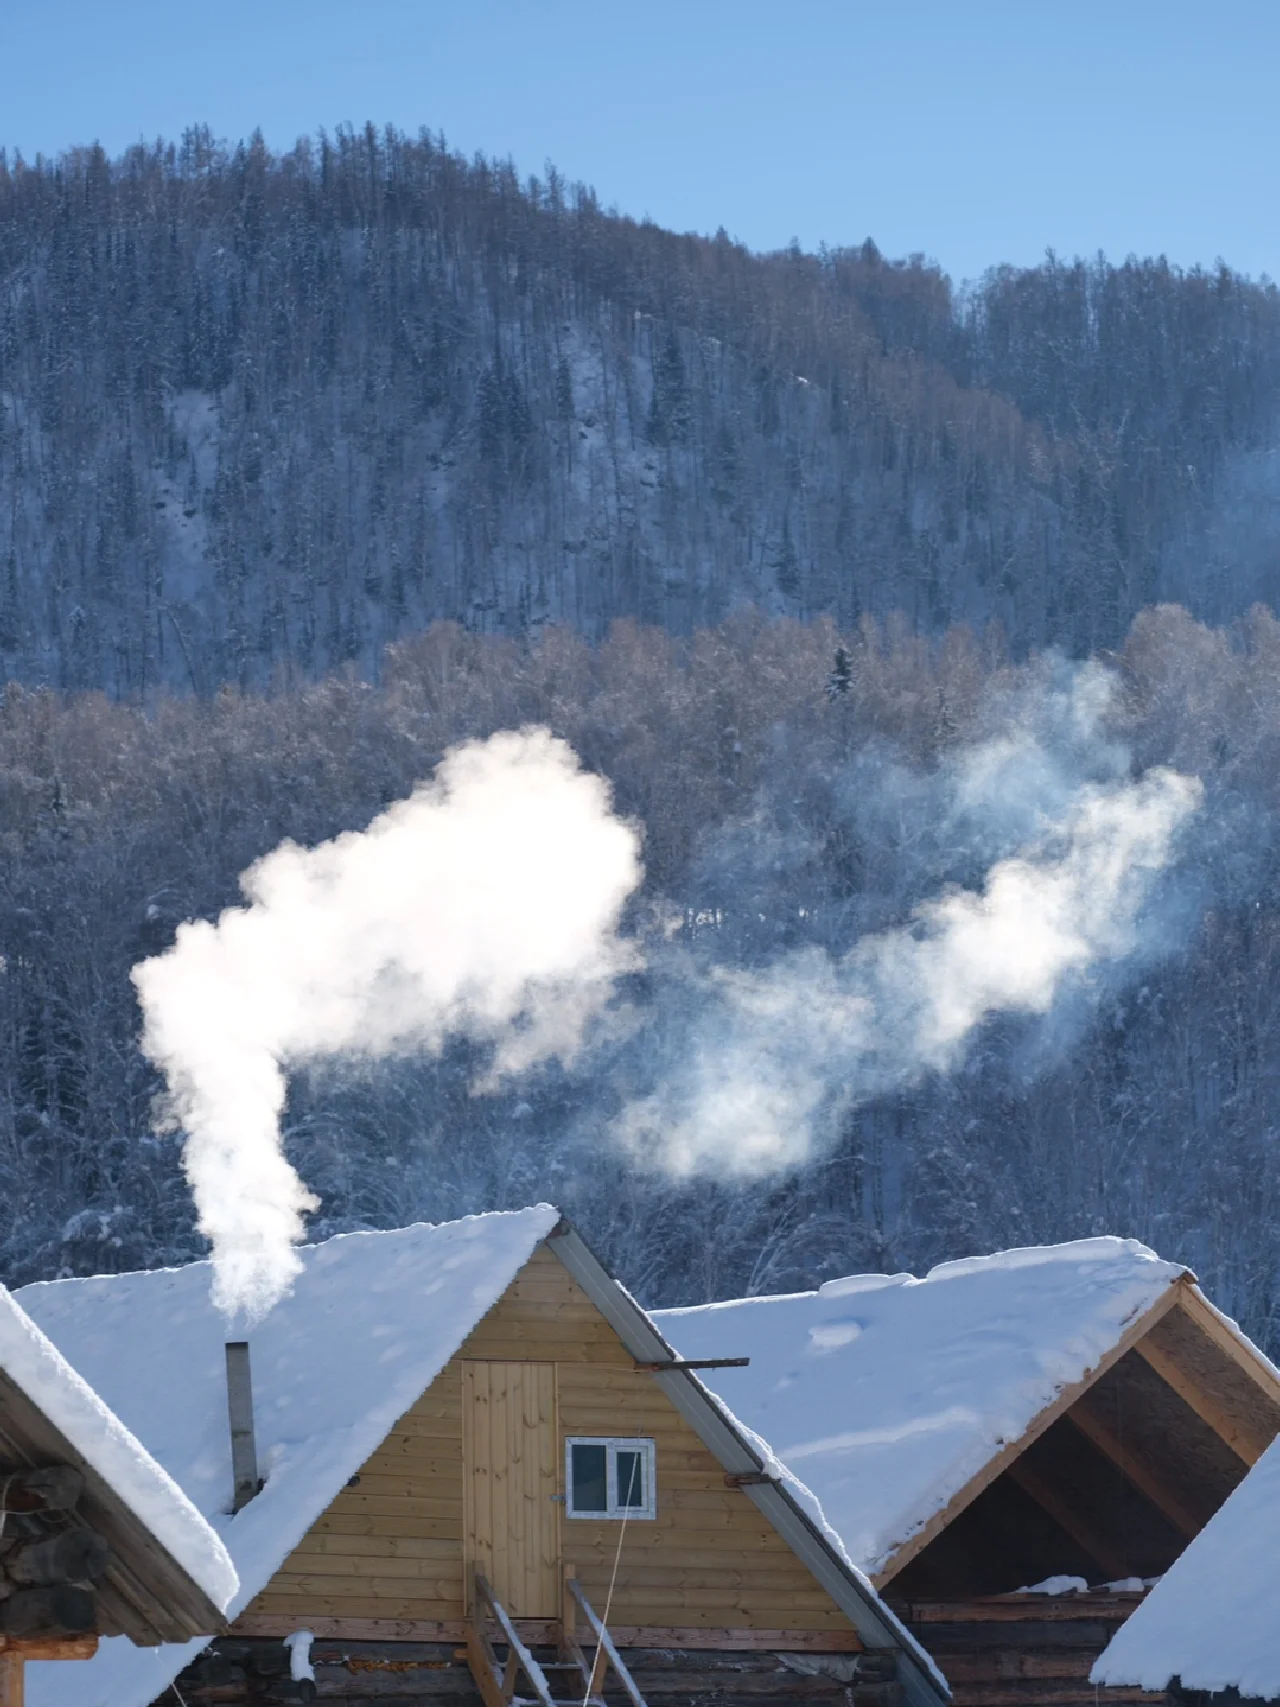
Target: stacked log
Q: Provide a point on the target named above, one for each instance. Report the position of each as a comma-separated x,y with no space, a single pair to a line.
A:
1024,1650
49,1560
239,1672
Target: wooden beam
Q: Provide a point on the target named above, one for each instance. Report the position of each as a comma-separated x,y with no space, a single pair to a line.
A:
1109,1444
693,1363
1000,1461
1027,1692
1067,1518
1021,1609
51,1647
1194,1396
539,1631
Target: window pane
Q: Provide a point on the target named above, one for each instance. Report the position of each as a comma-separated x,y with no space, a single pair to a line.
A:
630,1477
590,1484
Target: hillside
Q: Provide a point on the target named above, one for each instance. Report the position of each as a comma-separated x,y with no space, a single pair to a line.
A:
780,822
782,545
261,415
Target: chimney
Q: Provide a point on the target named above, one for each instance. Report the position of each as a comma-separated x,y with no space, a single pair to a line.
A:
244,1453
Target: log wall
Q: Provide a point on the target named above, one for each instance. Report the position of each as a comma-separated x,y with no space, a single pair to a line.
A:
1024,1650
241,1673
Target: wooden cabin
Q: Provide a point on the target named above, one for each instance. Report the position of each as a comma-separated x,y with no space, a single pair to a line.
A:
95,1540
477,1472
1013,1448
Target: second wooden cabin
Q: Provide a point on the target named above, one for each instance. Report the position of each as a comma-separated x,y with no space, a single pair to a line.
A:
1013,1448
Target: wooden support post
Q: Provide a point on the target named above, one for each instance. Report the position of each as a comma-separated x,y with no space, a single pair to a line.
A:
11,1680
568,1610
596,1686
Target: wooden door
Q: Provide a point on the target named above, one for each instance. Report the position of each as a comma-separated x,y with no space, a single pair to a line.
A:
511,1518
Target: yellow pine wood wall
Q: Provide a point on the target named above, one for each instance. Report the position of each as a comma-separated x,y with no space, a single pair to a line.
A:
391,1547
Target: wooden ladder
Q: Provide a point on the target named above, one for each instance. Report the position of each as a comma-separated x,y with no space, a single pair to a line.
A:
497,1676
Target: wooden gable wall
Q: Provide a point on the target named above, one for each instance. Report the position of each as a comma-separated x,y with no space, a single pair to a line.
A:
1117,1483
391,1545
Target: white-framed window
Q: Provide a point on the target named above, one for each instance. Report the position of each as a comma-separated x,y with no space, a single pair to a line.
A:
607,1476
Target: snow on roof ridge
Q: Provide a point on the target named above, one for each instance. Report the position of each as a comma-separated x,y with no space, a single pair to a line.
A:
1097,1248
434,1226
308,1245
849,1285
1100,1247
35,1365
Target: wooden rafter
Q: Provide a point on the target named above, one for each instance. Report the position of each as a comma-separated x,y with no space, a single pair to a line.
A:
1012,1450
1228,1339
1067,1517
1203,1404
1166,1502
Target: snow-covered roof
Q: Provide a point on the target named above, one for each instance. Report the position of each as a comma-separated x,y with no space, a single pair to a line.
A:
1214,1619
887,1394
371,1321
101,1442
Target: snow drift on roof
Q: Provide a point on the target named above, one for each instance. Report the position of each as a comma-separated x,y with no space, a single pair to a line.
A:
372,1320
1214,1619
887,1394
36,1366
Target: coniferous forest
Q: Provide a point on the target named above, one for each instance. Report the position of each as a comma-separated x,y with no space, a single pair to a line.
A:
312,465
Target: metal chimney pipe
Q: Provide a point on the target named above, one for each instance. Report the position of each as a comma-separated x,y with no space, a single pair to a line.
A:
244,1451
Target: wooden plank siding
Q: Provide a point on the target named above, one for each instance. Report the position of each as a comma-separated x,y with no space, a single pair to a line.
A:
392,1545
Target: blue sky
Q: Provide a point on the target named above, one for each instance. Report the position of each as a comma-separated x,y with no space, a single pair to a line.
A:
976,131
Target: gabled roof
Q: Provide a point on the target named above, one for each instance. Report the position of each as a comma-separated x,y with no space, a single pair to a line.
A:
893,1396
169,1576
372,1320
1214,1619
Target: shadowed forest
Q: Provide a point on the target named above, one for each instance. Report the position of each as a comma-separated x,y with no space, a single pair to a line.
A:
778,810
312,465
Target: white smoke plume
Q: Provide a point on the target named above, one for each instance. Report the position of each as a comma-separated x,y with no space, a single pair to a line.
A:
776,1055
486,905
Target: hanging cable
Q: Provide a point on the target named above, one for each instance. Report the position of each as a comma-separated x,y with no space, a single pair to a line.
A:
608,1604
